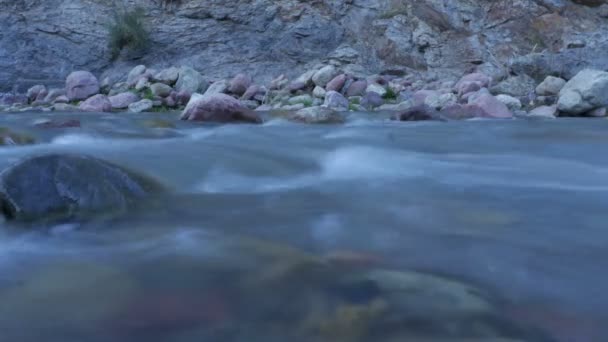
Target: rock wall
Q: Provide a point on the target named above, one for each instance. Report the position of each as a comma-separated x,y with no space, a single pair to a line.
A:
41,41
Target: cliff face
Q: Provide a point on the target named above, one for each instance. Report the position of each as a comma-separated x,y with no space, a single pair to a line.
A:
41,41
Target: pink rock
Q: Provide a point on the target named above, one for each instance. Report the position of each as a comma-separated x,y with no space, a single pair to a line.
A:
459,112
80,85
491,107
97,103
239,84
336,83
183,97
250,92
357,88
218,108
472,82
123,100
421,95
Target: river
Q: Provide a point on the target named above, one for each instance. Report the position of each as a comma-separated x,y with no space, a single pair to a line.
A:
267,226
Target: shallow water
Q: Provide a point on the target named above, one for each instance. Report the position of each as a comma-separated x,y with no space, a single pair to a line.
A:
279,231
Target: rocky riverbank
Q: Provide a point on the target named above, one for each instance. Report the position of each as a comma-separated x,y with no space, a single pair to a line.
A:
320,95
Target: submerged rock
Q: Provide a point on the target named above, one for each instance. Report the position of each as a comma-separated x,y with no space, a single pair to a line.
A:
9,137
59,186
218,108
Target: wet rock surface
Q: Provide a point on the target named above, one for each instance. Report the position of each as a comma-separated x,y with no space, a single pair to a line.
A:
66,186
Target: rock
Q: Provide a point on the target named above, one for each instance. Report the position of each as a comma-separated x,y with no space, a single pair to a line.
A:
544,112
597,113
295,86
170,101
470,97
190,80
135,74
10,99
251,104
218,108
472,82
293,107
550,86
324,75
33,92
251,92
61,99
357,88
516,86
279,83
123,100
335,100
183,97
53,94
439,101
239,84
586,91
105,86
336,83
142,83
161,89
61,186
64,107
303,99
140,106
372,100
9,137
419,97
393,107
317,115
491,107
97,103
167,76
319,92
72,123
511,102
376,88
80,85
459,112
218,87
417,113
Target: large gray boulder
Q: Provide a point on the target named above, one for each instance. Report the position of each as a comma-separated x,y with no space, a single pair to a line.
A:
218,108
80,85
69,186
190,80
584,92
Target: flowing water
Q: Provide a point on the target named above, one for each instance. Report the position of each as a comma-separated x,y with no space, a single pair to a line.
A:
368,231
